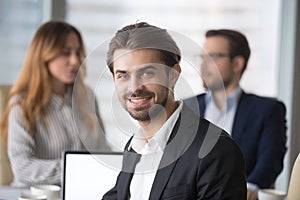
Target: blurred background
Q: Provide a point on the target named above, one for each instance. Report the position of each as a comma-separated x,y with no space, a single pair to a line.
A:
271,26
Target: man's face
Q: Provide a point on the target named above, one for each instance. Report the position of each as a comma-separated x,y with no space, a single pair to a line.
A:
142,82
216,66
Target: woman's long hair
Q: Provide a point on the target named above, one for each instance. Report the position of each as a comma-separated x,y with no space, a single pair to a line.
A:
33,84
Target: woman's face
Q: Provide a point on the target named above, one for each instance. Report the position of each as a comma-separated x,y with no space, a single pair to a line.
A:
63,69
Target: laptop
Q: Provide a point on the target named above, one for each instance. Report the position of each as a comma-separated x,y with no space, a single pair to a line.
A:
89,175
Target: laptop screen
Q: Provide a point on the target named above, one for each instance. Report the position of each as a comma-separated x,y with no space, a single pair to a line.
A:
89,175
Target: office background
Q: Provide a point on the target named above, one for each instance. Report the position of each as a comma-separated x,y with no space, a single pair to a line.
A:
270,26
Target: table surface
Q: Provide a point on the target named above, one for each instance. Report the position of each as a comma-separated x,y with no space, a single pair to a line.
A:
12,193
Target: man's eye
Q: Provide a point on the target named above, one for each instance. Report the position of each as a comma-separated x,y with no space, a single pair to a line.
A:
148,73
122,76
214,55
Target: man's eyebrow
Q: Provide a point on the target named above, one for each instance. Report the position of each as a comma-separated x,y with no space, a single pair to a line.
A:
148,66
120,71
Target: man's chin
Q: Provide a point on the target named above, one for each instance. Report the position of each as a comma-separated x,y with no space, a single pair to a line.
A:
140,117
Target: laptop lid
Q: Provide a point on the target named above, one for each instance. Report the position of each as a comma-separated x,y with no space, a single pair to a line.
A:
89,175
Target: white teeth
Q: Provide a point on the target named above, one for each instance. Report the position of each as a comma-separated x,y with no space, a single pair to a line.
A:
137,100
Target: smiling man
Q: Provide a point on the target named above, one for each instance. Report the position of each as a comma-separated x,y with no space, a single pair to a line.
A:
175,154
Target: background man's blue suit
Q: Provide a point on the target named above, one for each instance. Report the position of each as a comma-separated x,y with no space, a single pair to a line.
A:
259,128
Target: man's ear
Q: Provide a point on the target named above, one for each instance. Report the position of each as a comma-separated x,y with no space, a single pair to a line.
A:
238,64
174,74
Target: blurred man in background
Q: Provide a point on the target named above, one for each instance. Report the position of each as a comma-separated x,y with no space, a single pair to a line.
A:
256,123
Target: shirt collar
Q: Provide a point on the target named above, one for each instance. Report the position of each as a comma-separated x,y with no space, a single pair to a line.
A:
159,140
231,100
58,101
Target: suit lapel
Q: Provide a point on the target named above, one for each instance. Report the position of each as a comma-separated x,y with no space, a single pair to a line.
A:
161,179
182,136
241,118
124,183
202,105
130,159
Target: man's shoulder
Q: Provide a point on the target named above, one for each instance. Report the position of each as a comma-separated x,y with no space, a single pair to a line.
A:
198,96
245,95
261,101
259,98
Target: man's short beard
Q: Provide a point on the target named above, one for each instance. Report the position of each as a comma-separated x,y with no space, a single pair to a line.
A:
154,111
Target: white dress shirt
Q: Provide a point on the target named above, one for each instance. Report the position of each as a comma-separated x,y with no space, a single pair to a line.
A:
222,118
151,154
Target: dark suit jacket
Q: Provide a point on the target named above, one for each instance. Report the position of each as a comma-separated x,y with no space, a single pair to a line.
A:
259,128
190,168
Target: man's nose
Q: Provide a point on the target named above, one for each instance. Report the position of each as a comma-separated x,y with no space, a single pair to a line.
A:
135,84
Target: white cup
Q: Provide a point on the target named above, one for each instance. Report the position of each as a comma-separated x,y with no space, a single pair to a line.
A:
271,194
32,197
51,191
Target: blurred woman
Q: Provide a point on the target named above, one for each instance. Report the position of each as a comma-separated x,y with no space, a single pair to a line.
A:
40,119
